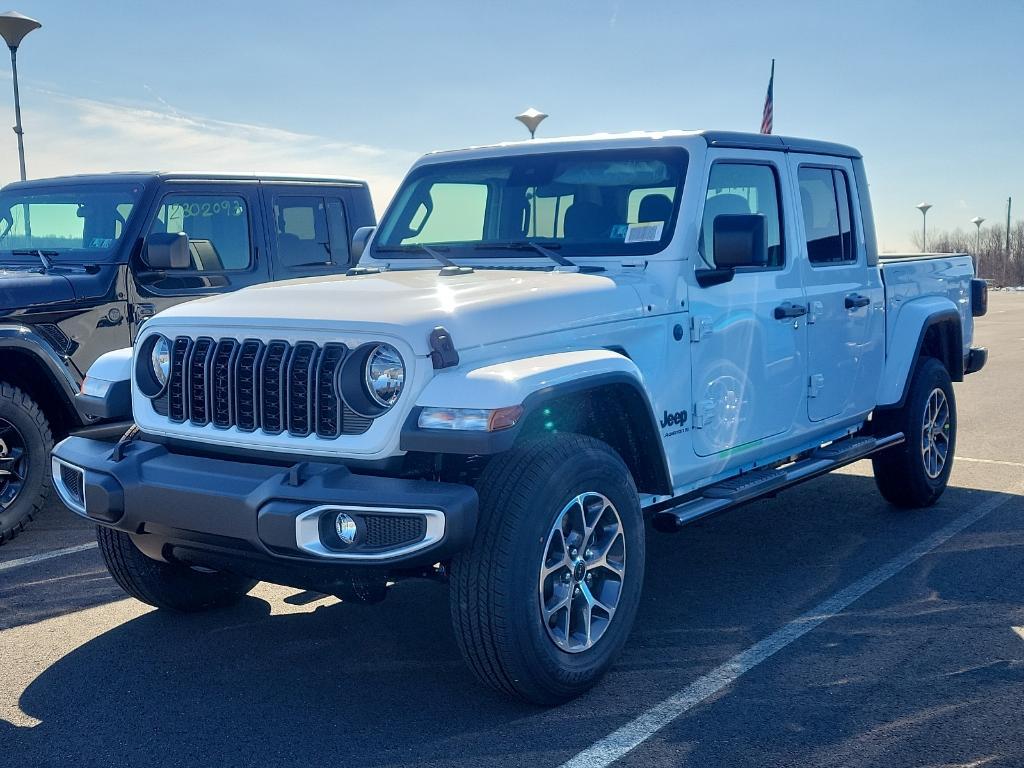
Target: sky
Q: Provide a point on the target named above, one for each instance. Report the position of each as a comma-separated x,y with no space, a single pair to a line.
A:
929,91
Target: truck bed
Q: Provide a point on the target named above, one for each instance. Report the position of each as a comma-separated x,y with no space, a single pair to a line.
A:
911,277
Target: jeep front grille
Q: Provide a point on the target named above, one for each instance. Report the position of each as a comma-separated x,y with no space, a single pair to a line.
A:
273,387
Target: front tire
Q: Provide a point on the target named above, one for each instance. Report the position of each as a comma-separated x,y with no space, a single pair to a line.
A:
171,586
544,598
915,473
25,445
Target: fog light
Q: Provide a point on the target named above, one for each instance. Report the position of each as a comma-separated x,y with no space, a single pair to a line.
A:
345,527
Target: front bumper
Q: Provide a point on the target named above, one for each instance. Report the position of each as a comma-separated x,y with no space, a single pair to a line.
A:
976,360
261,519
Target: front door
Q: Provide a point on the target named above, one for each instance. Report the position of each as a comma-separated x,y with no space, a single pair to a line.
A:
223,227
748,334
846,321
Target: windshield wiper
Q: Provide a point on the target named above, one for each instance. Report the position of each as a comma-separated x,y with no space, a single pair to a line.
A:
450,267
43,256
527,245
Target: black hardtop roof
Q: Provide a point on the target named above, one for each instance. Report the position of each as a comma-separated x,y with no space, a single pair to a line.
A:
145,177
740,140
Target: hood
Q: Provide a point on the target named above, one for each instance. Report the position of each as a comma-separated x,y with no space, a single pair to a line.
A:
483,307
24,287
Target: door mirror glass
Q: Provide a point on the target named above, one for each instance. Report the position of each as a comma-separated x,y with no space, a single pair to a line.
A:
359,241
167,250
739,240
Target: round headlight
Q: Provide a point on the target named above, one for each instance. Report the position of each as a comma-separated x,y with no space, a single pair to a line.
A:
160,360
385,375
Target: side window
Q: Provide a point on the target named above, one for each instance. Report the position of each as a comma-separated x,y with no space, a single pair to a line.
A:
303,235
743,188
217,227
827,215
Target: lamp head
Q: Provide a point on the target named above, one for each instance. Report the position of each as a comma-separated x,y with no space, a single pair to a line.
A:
923,207
14,26
531,118
978,221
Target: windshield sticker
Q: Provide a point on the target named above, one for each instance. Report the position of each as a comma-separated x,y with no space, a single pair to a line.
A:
647,232
101,242
619,231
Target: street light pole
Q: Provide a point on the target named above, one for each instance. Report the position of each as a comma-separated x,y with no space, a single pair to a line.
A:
978,221
923,208
13,28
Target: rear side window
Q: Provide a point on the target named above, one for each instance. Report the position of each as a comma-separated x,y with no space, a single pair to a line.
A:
742,188
310,230
217,227
828,215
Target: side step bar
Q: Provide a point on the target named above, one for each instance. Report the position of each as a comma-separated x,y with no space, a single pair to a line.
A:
757,483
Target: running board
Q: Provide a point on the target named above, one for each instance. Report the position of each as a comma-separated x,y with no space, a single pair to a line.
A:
758,483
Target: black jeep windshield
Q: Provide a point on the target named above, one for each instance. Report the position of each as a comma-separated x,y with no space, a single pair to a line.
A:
77,221
586,203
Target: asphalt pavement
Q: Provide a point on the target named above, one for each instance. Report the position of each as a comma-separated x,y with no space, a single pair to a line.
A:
819,628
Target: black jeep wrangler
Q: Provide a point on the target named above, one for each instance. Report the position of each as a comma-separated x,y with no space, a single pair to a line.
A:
85,260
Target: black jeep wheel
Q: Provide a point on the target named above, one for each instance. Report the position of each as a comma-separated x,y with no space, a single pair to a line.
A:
915,473
544,598
25,445
172,586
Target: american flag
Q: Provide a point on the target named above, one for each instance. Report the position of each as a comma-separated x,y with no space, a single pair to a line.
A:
769,106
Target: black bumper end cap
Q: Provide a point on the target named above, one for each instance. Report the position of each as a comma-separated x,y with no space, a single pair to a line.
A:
976,360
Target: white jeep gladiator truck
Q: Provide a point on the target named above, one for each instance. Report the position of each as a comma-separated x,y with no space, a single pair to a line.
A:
544,345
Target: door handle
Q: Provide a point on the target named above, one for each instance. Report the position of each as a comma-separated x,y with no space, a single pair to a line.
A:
787,310
856,301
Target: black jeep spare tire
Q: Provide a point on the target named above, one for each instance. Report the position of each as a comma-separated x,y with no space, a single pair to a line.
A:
544,598
25,445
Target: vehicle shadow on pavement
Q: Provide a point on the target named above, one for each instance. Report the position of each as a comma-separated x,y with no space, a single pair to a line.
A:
385,685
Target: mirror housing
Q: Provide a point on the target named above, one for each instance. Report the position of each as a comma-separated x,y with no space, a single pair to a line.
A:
167,250
359,240
740,240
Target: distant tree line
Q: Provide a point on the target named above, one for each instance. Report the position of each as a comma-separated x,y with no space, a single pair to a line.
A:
992,260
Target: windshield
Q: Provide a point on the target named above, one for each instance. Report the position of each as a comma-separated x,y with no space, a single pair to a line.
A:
69,220
588,203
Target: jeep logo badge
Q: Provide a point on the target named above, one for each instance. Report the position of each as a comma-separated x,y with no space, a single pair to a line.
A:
676,419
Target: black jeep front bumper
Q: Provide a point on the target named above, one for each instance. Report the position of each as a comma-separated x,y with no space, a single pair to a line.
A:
264,520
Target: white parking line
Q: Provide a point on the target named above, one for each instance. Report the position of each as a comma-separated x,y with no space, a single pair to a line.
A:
633,734
991,461
45,556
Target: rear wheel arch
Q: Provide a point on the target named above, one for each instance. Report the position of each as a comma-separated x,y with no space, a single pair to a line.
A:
940,337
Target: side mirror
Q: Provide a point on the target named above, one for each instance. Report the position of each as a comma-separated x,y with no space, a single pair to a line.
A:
167,250
739,240
359,240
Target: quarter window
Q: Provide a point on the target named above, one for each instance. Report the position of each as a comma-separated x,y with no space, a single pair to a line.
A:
742,188
827,215
217,227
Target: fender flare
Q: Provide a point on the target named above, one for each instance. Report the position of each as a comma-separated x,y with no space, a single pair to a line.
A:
905,346
23,339
530,382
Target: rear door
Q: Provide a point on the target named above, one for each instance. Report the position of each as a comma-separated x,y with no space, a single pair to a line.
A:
748,366
846,321
309,229
225,234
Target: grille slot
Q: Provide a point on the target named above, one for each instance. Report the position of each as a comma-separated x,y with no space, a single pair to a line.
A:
74,482
198,382
388,531
274,387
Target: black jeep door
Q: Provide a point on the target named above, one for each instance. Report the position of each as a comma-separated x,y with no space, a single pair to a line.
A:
225,234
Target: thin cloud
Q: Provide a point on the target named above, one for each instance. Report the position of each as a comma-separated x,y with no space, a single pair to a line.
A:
67,134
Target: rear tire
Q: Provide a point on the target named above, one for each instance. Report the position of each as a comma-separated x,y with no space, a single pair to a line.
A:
171,586
915,473
517,628
25,445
